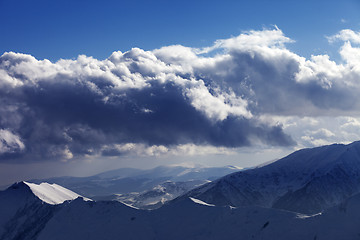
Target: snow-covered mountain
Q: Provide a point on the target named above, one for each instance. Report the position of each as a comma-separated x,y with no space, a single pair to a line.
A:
26,207
188,218
306,181
155,197
271,204
142,188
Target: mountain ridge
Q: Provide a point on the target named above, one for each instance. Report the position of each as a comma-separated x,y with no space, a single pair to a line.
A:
332,185
331,172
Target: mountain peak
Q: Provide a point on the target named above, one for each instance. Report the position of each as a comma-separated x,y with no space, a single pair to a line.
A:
49,193
52,193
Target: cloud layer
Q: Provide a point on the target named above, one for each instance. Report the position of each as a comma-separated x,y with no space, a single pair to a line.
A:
170,97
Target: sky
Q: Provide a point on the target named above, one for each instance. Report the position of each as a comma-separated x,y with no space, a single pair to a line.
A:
89,86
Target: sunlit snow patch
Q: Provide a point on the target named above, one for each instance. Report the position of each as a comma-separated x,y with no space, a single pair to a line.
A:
128,205
53,193
303,216
201,202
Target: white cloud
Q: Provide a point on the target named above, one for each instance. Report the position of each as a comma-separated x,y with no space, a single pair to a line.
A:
352,56
10,142
321,69
216,106
346,35
321,130
252,40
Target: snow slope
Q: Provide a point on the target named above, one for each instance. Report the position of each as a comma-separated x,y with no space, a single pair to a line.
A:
306,181
52,193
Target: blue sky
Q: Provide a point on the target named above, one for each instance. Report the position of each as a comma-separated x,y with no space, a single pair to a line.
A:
65,29
147,83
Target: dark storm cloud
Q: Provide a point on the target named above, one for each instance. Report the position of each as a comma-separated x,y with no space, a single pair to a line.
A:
59,119
166,98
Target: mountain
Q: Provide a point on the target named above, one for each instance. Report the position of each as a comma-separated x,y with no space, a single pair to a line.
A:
275,201
26,207
139,187
186,218
155,197
306,181
193,219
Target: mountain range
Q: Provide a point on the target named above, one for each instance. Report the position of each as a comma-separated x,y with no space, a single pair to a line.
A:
145,189
310,194
190,218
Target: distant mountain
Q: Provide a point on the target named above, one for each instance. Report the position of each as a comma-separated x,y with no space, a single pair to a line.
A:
306,181
129,180
155,197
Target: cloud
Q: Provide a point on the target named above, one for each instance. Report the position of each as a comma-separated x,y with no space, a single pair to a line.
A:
250,41
257,66
78,108
10,142
346,35
319,130
136,149
153,102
